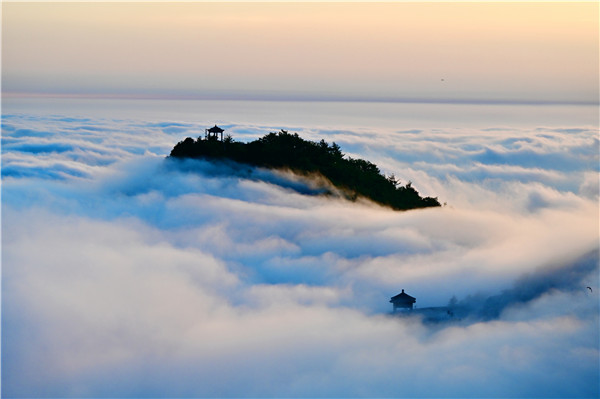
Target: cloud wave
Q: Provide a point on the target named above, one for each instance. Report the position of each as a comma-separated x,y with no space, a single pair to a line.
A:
192,279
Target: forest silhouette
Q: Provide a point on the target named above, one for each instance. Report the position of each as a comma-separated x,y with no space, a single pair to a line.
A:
282,150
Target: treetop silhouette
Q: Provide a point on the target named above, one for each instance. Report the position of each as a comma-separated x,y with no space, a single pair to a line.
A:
282,150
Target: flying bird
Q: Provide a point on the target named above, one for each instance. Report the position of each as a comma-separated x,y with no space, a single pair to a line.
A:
590,288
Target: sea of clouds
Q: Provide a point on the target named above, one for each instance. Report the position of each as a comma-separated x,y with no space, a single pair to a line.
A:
128,274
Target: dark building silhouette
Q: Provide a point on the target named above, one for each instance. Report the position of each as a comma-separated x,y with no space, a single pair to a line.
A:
402,301
213,133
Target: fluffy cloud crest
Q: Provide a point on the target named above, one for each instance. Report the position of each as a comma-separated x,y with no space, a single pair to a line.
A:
126,274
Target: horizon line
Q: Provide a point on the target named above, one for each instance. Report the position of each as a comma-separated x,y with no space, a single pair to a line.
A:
301,98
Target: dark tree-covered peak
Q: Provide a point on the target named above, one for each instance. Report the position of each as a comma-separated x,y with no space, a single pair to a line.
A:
284,150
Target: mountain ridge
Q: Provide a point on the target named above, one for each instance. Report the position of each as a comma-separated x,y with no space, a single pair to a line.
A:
354,177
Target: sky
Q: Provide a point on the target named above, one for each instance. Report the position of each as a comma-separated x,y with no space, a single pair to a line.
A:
127,274
534,52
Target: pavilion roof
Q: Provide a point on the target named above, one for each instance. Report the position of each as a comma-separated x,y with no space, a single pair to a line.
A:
216,129
402,297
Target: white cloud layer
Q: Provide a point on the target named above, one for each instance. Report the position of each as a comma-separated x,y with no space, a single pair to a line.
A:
125,274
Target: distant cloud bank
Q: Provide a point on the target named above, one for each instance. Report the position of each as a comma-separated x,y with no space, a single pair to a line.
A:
315,96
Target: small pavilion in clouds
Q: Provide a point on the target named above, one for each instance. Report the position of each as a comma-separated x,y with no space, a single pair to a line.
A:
213,133
402,301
